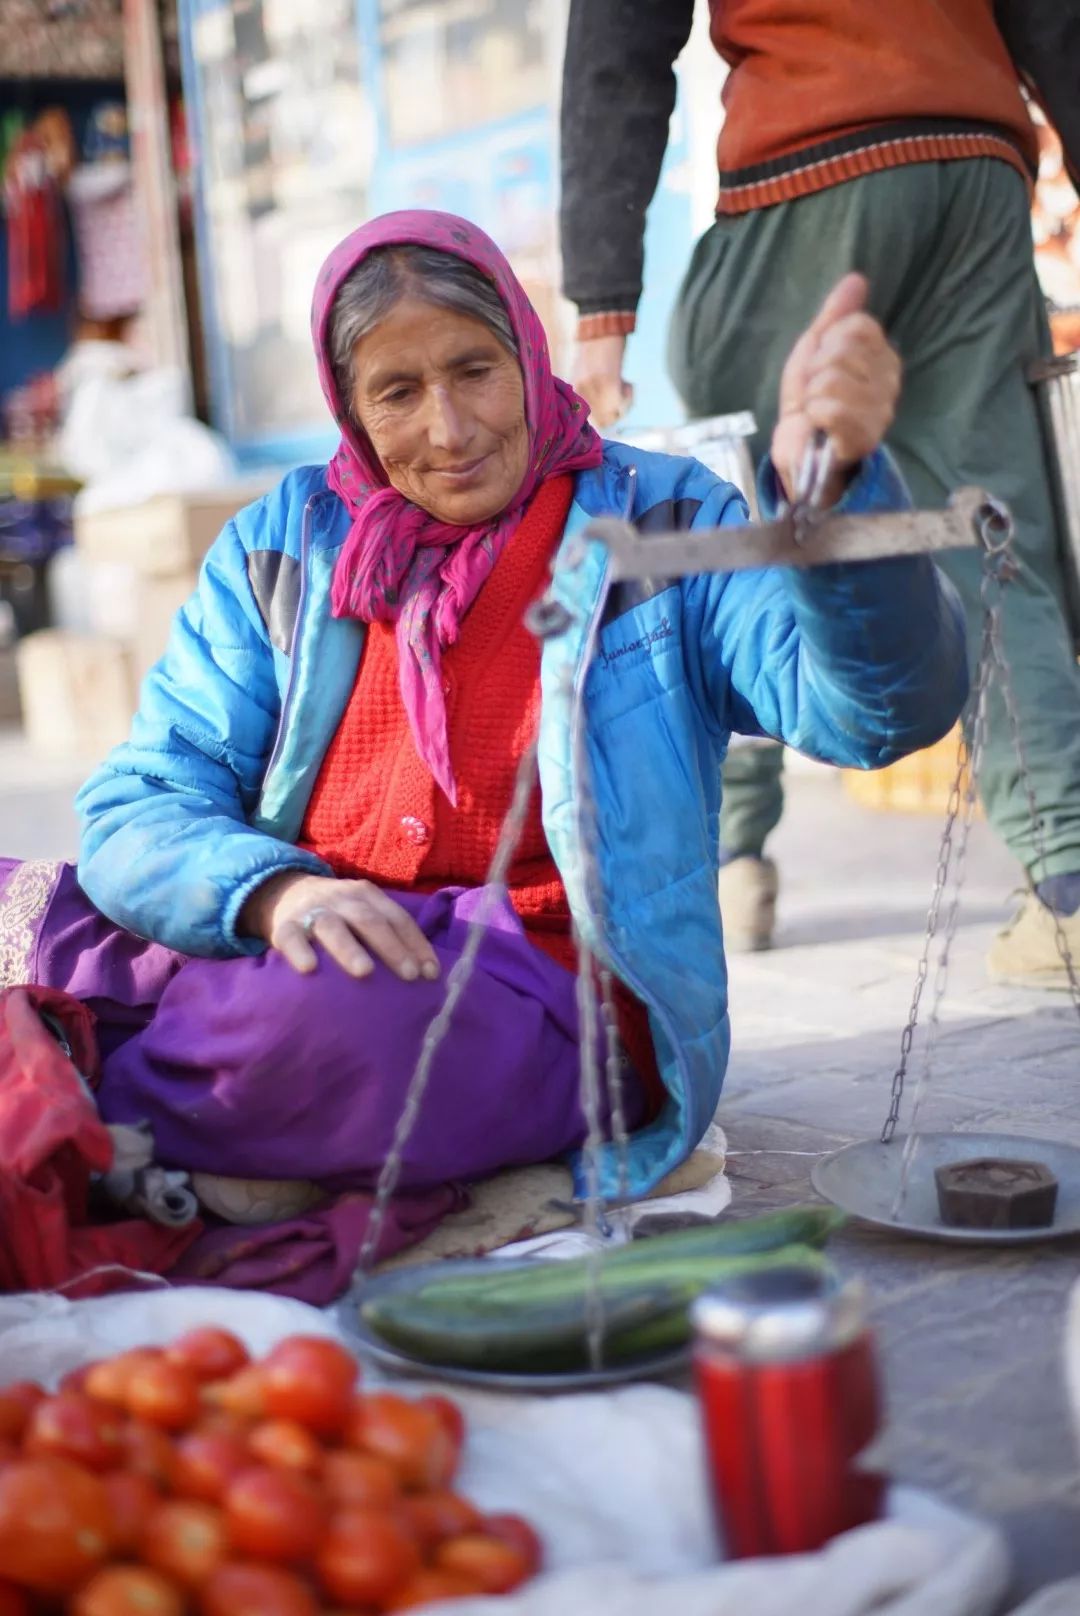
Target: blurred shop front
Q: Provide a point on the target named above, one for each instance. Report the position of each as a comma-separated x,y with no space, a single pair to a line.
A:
174,173
92,249
309,118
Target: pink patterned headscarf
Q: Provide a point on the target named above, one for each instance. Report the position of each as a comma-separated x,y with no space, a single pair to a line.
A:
400,564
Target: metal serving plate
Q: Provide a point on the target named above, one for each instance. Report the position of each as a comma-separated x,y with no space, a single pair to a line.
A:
652,1367
862,1179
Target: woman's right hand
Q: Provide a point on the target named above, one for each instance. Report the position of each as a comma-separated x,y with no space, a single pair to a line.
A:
354,921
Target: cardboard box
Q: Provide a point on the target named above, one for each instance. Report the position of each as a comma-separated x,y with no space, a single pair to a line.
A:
156,549
167,535
77,693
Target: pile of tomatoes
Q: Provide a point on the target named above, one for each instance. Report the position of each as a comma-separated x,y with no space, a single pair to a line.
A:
192,1481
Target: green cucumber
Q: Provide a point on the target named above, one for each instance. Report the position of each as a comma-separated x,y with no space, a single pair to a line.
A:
518,1341
545,1327
656,1256
746,1237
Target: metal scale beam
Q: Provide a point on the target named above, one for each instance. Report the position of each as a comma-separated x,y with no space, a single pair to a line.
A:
805,538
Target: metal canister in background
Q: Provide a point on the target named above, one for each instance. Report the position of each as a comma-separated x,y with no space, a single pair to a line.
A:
1057,388
786,1378
718,441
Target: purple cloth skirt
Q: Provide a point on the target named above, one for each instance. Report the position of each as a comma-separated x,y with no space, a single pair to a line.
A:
245,1068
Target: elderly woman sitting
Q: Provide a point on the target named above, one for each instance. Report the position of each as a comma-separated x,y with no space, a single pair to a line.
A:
280,866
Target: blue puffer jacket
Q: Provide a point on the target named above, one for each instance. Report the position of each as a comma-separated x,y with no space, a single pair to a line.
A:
854,664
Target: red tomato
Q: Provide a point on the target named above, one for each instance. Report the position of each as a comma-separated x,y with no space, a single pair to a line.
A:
366,1556
408,1436
72,1426
128,1591
256,1590
75,1379
9,1451
132,1500
148,1451
516,1531
243,1395
206,1462
13,1602
208,1353
164,1395
287,1445
311,1380
17,1403
54,1524
185,1540
273,1514
108,1380
359,1478
427,1586
436,1516
220,1421
453,1420
491,1565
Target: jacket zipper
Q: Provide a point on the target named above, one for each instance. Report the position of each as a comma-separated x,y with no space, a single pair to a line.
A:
614,960
279,736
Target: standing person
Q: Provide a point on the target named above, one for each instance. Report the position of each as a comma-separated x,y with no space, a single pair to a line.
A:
894,140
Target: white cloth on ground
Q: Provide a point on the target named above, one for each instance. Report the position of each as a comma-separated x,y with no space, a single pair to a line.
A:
612,1480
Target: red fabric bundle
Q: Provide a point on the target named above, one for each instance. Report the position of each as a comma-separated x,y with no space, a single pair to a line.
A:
51,1142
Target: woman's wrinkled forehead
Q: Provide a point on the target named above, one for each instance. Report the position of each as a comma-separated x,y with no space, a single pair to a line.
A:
414,228
450,234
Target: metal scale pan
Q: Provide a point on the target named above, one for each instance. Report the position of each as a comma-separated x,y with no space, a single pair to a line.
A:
863,1179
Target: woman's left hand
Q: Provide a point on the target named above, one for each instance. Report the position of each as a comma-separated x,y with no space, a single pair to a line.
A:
842,377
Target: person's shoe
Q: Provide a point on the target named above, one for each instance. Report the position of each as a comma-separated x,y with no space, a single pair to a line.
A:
1025,954
748,889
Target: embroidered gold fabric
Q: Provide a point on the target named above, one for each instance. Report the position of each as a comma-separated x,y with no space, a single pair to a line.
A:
22,904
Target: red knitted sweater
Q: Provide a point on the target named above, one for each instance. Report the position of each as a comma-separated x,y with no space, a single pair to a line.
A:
376,812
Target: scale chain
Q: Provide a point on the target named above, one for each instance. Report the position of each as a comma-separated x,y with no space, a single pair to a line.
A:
456,983
923,967
998,568
587,1009
614,1063
979,725
590,1100
990,520
546,618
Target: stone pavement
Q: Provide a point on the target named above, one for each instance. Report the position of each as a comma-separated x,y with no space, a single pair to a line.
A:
970,1339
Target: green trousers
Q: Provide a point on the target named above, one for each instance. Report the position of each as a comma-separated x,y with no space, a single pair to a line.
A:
947,249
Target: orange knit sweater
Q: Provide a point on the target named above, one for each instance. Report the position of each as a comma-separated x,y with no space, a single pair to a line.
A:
376,812
825,90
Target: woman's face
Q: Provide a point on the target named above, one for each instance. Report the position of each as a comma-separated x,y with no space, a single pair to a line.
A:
443,404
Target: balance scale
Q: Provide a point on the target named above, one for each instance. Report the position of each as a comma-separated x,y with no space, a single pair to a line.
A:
890,1181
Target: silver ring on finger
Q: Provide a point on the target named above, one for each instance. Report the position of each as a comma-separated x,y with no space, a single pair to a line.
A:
307,921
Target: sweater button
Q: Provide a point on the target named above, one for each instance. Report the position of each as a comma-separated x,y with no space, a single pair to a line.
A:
415,830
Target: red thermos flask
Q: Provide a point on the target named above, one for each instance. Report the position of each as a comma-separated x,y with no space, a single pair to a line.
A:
785,1375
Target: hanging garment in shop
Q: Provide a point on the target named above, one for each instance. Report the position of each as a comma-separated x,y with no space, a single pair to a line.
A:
35,231
108,240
